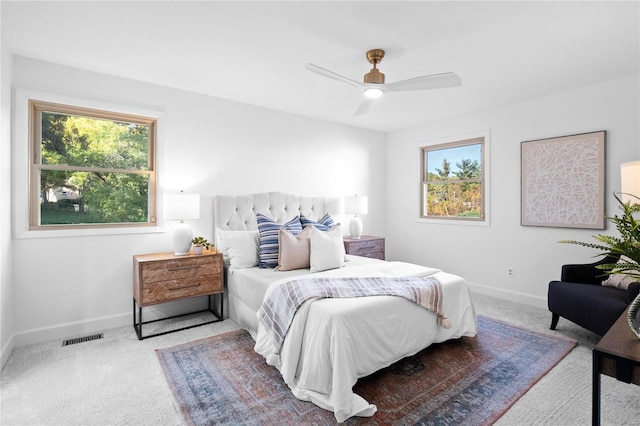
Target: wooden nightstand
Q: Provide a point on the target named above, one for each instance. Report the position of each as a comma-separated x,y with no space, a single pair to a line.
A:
165,277
366,246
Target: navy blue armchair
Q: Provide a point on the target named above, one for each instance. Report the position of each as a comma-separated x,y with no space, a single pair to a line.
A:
580,297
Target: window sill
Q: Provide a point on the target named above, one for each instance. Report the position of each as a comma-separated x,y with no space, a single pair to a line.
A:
455,222
64,233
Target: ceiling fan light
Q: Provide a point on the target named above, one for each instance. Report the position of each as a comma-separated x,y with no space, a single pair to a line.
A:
372,92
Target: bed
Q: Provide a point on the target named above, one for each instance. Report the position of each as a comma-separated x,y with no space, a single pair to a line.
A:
330,342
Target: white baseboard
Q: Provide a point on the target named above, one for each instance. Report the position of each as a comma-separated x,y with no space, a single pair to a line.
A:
6,351
514,296
71,329
94,325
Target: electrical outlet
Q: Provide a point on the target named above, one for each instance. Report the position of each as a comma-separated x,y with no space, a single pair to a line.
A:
510,271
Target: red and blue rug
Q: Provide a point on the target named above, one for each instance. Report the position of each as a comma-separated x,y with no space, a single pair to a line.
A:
468,381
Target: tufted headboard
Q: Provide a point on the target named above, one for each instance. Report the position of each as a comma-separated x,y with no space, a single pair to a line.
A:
238,213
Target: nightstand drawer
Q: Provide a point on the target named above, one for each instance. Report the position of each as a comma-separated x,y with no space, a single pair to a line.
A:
162,291
360,248
366,246
178,268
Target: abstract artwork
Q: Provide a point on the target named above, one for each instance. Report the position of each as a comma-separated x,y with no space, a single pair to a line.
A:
562,181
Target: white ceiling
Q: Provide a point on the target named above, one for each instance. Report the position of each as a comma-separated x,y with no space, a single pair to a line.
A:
255,52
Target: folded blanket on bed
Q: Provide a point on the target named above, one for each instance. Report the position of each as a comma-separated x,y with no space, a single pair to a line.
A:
279,306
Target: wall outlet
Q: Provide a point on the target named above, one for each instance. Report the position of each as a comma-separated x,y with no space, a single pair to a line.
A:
510,271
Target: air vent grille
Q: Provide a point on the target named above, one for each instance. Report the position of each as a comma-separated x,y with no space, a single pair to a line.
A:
82,339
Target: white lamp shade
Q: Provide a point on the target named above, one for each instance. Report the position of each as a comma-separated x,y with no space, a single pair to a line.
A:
357,204
630,181
181,206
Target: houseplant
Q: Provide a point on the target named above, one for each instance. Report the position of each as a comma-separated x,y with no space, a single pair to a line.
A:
626,247
200,243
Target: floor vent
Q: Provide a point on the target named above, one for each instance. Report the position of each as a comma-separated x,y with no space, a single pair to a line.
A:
82,339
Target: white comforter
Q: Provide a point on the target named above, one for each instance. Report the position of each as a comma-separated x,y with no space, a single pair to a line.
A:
333,342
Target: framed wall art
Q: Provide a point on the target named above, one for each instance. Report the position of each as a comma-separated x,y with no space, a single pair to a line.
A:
563,181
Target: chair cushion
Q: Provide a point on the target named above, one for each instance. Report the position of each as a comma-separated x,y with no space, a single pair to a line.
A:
593,307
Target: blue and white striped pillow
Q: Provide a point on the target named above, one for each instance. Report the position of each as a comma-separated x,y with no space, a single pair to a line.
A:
323,224
269,245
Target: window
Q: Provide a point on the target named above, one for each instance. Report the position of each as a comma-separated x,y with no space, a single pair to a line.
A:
90,168
453,180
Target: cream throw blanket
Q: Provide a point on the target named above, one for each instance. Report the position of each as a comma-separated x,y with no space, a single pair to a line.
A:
279,307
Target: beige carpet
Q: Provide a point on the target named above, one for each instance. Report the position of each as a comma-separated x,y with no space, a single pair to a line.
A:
118,381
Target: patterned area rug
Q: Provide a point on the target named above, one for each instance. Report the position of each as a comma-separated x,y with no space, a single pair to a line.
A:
468,381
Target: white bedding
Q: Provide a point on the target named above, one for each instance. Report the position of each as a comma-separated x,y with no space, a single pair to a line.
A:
246,288
333,342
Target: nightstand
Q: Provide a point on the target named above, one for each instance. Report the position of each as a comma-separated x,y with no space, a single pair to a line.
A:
366,245
166,277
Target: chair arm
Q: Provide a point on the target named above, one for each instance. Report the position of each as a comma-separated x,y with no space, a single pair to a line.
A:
586,273
632,291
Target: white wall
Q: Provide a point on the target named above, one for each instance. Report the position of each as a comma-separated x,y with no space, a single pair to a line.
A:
211,146
6,288
482,254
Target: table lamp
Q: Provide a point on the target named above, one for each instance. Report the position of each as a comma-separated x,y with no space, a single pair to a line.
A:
356,205
630,182
181,207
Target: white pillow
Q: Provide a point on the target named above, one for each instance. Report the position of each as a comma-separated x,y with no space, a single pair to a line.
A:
239,248
327,249
294,250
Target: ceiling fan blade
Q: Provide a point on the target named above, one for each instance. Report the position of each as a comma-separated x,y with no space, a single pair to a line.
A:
330,74
433,81
363,108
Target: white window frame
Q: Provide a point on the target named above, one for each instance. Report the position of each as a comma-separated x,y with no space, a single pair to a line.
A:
21,164
486,184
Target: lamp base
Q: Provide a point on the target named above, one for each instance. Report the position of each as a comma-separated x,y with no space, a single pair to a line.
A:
181,239
355,227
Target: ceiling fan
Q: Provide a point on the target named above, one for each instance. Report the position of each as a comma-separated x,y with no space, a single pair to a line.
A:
374,85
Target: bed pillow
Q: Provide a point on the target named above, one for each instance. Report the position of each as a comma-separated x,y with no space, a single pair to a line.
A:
268,230
327,249
239,248
294,250
323,224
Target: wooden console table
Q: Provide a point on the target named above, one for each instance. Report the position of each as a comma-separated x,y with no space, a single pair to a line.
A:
616,355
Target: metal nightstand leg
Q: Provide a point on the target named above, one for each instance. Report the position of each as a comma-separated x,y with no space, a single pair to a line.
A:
137,318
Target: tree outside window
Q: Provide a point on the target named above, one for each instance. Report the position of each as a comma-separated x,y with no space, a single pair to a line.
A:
453,180
90,168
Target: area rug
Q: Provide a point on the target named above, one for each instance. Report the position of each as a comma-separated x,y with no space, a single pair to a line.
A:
467,381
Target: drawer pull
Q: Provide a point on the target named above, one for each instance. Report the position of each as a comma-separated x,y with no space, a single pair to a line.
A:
186,286
182,269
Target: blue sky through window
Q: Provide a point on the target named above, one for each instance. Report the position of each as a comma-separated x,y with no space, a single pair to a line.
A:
453,155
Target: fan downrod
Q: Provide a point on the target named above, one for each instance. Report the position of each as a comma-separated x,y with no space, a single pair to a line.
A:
374,57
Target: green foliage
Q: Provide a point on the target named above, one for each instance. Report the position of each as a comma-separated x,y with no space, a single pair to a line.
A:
94,144
201,241
51,215
627,245
444,172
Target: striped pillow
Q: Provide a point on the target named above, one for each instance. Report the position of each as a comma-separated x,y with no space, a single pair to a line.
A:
269,246
323,224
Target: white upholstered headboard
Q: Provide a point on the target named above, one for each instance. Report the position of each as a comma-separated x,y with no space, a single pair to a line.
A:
238,213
